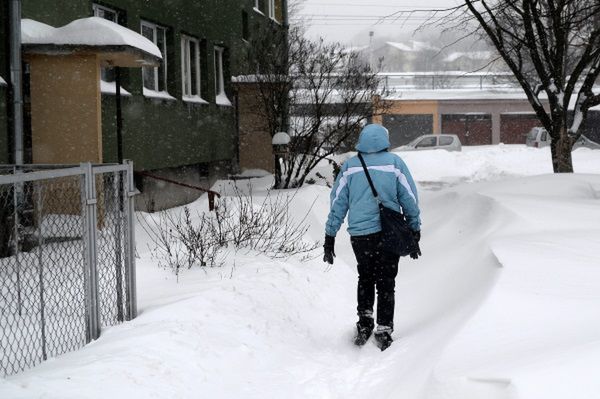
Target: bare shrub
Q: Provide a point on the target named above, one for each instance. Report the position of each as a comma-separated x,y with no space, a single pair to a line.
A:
240,222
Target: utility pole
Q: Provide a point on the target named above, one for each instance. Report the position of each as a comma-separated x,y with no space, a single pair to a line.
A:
16,79
371,34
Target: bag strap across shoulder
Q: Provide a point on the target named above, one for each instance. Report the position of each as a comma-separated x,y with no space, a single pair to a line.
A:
364,165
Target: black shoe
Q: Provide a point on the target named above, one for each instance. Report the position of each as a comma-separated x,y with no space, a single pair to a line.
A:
384,340
364,329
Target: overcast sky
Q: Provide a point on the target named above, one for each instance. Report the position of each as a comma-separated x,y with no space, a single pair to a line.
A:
349,21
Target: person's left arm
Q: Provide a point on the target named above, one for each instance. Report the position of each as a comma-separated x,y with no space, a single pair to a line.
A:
408,196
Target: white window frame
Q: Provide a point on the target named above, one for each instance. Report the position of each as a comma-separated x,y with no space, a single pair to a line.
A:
163,50
257,7
271,7
97,8
186,75
220,95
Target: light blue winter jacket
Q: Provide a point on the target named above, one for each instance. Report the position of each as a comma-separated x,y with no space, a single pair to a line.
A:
392,180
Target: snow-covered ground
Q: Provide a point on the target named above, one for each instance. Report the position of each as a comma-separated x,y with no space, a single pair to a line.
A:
503,304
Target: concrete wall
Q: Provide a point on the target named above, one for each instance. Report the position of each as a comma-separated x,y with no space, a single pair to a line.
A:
404,128
415,107
65,109
255,149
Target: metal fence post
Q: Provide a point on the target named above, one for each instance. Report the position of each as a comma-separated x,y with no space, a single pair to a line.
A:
129,192
91,219
17,190
119,197
40,245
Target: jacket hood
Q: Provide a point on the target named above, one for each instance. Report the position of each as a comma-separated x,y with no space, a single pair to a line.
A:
373,138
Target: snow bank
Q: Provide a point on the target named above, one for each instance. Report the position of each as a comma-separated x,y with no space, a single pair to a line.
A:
536,336
478,163
92,31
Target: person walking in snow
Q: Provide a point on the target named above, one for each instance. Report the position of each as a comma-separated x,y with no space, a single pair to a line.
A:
352,194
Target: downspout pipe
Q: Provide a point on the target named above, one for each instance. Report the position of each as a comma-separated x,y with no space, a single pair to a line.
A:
286,19
16,79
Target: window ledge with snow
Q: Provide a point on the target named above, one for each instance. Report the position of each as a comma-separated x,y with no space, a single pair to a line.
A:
222,99
111,88
161,95
258,11
194,99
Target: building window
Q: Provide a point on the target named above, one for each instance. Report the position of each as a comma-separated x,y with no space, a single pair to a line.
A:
220,95
245,26
155,78
272,9
261,6
190,69
106,13
106,74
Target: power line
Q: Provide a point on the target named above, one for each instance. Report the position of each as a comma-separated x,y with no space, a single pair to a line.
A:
368,5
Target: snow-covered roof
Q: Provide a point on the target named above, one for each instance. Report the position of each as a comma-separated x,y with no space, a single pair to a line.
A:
414,46
354,49
92,31
400,46
420,46
445,73
470,94
472,55
458,94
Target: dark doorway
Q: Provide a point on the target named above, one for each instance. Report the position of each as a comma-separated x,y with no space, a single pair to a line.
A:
405,128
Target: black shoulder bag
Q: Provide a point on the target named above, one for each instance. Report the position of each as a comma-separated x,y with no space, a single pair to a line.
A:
396,236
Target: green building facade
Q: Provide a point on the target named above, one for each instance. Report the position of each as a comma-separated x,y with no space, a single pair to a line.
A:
183,115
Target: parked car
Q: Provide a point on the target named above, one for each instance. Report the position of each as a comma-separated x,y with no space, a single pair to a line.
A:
583,141
449,142
538,137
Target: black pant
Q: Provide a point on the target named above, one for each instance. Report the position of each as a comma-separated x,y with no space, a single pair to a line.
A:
376,268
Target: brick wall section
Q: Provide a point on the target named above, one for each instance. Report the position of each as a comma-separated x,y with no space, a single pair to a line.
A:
471,129
255,149
514,127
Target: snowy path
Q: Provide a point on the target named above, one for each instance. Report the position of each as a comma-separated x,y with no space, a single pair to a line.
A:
271,329
503,304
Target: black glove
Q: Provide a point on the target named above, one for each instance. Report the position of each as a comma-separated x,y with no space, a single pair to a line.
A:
328,247
417,236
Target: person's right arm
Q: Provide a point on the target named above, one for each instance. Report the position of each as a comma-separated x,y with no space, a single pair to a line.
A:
339,202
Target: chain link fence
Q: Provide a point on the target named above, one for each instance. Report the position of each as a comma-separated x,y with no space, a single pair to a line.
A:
67,265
